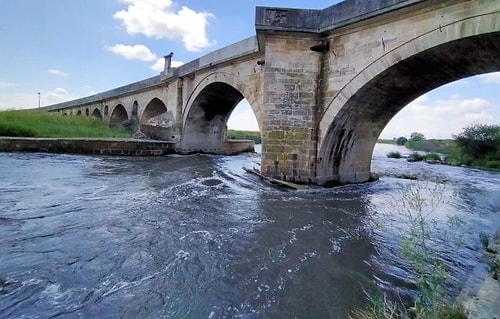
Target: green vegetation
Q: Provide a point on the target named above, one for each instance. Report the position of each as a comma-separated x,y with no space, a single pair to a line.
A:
244,135
416,207
416,157
386,141
432,156
478,146
394,155
44,124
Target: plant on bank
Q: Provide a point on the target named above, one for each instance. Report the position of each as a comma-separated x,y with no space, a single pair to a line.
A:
417,205
394,155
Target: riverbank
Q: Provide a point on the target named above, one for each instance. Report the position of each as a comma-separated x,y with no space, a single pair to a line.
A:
112,146
481,295
88,146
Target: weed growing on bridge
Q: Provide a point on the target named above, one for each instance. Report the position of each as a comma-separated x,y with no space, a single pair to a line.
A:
417,205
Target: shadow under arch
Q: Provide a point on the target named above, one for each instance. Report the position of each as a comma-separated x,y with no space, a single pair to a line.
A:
205,127
118,115
96,113
154,108
362,110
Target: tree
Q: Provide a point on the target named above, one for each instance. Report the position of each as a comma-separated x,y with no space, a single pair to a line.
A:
479,140
415,141
401,140
417,137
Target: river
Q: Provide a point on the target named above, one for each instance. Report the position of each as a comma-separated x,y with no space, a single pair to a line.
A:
197,237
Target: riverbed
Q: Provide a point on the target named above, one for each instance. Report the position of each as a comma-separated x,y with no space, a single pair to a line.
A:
198,237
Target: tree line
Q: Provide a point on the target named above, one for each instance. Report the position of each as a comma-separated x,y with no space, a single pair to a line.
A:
478,145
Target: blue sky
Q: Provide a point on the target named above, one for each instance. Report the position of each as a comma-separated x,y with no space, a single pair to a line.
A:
70,49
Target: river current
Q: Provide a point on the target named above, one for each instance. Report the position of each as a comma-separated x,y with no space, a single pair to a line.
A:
198,237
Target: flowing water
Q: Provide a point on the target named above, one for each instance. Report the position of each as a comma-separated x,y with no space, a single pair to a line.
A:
197,237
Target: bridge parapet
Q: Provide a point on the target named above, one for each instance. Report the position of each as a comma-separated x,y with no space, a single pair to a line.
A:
321,21
126,89
226,54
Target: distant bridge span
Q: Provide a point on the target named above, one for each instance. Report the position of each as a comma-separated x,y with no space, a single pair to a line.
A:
323,84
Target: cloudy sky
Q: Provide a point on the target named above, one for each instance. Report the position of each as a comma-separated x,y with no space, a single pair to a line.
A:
70,49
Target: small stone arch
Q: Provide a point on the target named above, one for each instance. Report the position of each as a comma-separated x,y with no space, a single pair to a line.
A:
106,110
118,116
79,113
135,108
154,108
87,112
97,113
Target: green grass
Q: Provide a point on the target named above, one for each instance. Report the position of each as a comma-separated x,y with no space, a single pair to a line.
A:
433,145
44,124
386,141
432,156
244,135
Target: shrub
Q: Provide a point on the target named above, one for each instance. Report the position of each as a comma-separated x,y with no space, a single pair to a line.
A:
394,155
433,156
415,157
401,140
479,140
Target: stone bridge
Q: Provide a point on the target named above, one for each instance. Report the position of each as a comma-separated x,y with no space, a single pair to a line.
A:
323,84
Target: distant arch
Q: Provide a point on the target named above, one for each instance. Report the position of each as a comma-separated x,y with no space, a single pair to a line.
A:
79,113
154,108
96,113
135,108
106,110
87,112
118,115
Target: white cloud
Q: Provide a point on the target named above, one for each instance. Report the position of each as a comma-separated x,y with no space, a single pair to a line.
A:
6,85
157,19
160,64
133,52
57,72
439,118
57,96
491,77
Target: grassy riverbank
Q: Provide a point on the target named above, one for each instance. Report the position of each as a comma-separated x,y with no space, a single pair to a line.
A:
44,124
244,135
479,151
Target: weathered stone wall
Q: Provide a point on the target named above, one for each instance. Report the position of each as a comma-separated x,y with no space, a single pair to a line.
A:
86,146
290,92
376,67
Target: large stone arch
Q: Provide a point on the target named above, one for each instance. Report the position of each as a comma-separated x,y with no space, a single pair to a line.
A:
248,89
118,115
208,109
154,108
353,121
